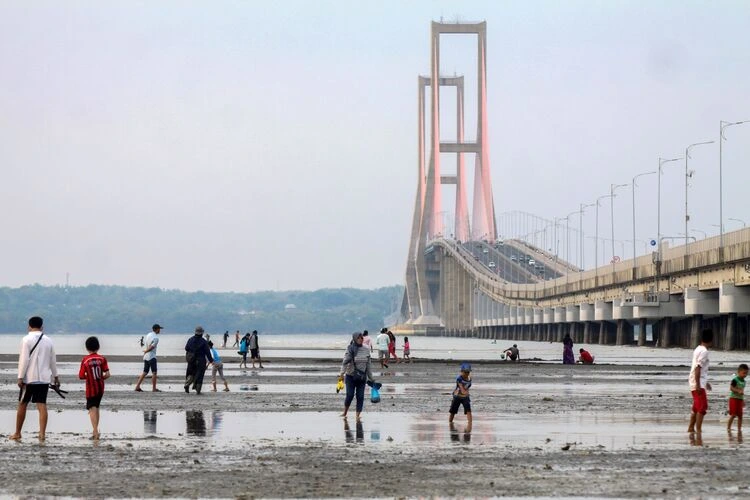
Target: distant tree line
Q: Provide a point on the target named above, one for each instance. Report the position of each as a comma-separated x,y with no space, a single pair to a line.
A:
119,309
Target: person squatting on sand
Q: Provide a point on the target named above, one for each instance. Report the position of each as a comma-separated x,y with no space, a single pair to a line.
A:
149,358
585,357
356,372
698,381
217,366
197,353
737,398
37,367
94,370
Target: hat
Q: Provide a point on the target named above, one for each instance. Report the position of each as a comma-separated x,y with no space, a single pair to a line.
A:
465,367
199,330
157,326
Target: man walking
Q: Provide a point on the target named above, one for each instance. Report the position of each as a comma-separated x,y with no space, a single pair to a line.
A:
37,367
236,339
698,381
382,342
254,350
226,338
149,358
197,352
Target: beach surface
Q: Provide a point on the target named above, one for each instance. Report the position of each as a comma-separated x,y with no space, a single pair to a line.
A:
540,429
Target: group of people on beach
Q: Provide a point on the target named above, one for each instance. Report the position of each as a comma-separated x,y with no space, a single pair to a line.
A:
386,344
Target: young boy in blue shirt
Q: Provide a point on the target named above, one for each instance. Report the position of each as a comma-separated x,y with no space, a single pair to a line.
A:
461,395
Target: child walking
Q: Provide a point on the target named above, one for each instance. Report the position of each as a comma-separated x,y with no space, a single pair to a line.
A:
737,397
407,350
217,366
461,395
95,370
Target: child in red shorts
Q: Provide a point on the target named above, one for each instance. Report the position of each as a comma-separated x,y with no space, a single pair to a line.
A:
95,370
737,398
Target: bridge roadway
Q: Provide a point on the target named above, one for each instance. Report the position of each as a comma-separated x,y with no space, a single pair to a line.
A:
691,287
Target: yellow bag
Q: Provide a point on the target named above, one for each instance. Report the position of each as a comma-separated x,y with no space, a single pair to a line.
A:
339,386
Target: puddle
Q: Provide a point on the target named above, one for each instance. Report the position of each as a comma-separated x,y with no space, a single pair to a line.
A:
235,429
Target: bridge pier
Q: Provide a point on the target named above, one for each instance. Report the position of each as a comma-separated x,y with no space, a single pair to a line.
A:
665,332
642,323
730,336
587,332
602,333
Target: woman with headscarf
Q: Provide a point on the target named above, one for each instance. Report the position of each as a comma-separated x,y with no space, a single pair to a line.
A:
392,347
568,357
356,373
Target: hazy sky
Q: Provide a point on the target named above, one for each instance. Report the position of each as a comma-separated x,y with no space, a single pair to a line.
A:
262,145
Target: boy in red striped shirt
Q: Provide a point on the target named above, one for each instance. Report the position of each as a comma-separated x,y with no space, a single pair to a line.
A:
95,370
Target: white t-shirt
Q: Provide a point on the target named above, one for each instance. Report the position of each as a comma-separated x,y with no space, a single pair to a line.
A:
700,358
151,338
382,341
41,366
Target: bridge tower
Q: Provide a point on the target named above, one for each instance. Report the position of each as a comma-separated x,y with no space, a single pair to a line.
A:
427,222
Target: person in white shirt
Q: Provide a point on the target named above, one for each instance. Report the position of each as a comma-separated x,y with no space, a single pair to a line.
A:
37,368
382,342
698,381
149,358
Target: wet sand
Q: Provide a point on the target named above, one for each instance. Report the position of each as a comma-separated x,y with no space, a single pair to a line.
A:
539,430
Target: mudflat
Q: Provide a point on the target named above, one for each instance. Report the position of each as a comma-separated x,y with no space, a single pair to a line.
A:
539,430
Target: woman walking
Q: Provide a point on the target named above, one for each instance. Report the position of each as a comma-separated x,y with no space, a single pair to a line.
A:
356,372
392,347
568,357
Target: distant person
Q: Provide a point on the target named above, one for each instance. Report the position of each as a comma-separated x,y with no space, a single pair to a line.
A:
568,358
254,350
392,347
356,371
197,353
407,350
367,341
217,367
94,370
461,395
37,367
243,350
737,398
142,341
226,338
585,357
512,353
698,381
382,343
149,359
236,339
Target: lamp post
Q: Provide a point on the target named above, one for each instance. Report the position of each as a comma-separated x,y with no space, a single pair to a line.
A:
596,237
567,236
635,184
738,220
612,189
582,207
689,174
662,161
700,231
722,126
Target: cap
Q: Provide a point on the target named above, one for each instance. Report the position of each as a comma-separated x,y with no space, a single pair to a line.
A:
465,367
157,326
199,330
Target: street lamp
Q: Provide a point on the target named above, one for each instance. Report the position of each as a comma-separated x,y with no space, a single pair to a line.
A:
722,126
705,235
567,236
689,174
662,161
582,207
738,220
635,184
612,188
596,237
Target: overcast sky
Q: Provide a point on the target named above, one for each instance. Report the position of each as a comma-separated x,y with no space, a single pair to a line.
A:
240,146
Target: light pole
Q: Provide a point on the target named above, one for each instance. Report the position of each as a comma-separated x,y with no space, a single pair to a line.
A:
596,237
722,126
738,220
662,161
582,207
689,174
635,184
699,231
567,236
612,188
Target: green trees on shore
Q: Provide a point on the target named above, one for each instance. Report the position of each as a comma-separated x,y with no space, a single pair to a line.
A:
118,309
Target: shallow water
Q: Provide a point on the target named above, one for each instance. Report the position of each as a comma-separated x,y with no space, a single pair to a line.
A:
234,429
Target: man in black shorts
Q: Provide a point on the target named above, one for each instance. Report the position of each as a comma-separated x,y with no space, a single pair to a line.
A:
149,358
255,349
37,367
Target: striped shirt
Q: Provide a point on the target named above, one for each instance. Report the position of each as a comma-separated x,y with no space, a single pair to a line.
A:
361,360
93,368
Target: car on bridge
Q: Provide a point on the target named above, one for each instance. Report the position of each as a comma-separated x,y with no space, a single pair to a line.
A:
491,265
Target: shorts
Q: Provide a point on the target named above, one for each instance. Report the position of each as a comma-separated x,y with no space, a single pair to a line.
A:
217,368
36,393
94,401
407,352
149,364
736,407
466,402
700,401
382,354
254,353
243,354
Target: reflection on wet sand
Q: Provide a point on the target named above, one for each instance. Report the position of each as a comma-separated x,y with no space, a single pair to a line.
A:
349,436
195,422
149,421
